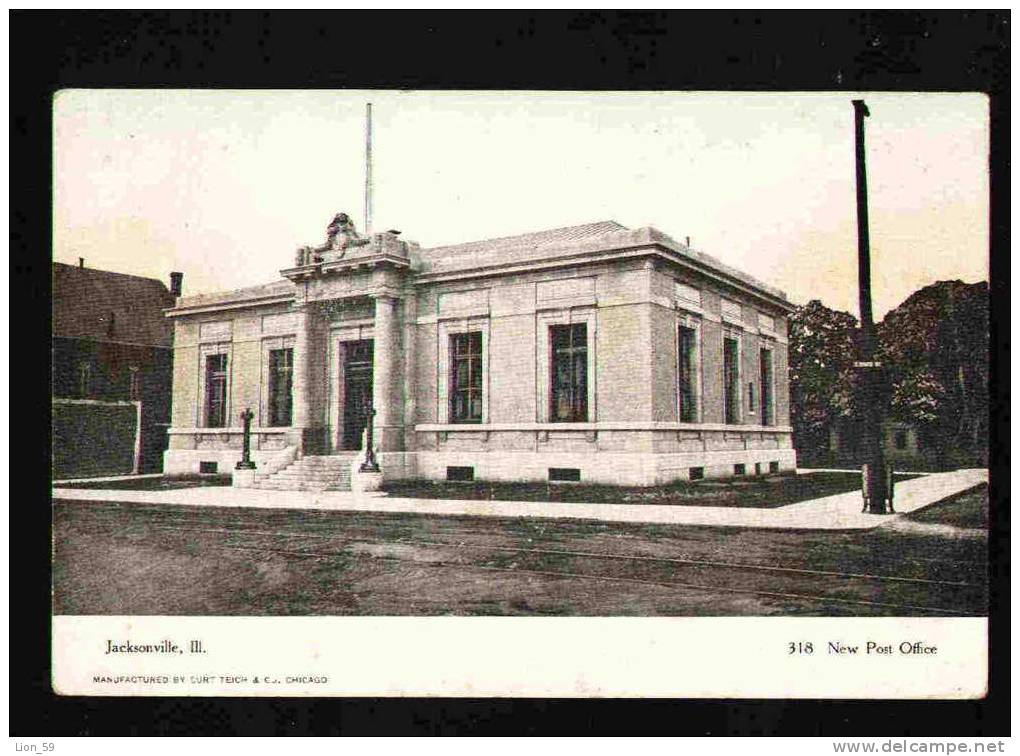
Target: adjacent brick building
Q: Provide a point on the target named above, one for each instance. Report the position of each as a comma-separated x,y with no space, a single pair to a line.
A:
594,352
112,354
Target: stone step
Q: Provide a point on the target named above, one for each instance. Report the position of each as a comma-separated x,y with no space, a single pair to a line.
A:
330,470
306,479
278,486
312,473
317,468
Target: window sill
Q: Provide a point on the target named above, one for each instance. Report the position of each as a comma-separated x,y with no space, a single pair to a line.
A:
232,430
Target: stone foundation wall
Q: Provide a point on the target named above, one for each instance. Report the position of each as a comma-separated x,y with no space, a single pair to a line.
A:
189,461
611,468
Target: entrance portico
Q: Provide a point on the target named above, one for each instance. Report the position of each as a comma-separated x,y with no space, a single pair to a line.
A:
348,358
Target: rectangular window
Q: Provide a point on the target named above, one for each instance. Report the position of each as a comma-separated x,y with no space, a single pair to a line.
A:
731,381
564,474
216,391
460,473
281,371
135,384
569,394
686,374
740,469
466,377
750,396
765,361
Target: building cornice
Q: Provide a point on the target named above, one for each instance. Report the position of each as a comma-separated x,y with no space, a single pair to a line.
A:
346,265
238,304
643,243
649,248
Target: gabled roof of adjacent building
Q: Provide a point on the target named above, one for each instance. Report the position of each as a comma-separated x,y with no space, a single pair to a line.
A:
106,306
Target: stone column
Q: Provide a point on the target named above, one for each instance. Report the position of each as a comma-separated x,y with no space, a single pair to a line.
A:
300,419
407,394
385,369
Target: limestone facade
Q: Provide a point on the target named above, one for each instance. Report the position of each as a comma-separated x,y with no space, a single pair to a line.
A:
460,352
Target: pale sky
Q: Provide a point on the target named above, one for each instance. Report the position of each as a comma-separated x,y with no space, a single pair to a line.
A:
224,185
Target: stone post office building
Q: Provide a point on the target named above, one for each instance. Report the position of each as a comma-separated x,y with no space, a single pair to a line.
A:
595,353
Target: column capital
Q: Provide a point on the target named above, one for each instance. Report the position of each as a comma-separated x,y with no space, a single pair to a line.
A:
387,293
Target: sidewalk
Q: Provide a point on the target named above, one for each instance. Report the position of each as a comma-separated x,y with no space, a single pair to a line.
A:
106,479
838,512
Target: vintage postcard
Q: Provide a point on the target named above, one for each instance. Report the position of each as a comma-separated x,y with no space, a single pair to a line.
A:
572,394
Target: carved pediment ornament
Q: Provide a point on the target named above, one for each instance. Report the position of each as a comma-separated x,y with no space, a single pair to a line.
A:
340,235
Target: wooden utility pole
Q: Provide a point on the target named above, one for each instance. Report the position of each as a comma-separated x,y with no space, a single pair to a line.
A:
875,486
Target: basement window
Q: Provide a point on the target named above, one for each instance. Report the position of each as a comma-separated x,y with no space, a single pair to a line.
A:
461,474
740,469
564,474
208,467
757,468
696,473
773,467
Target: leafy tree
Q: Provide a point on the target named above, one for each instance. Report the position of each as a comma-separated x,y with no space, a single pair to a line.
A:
936,347
822,348
916,397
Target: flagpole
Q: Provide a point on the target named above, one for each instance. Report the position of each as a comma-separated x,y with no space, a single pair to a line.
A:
368,169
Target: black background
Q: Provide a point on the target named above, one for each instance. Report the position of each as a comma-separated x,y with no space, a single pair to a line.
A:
820,51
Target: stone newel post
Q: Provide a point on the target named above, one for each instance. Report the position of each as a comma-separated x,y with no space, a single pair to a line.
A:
244,471
370,465
246,463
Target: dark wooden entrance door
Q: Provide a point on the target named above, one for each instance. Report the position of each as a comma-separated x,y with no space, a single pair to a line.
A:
357,390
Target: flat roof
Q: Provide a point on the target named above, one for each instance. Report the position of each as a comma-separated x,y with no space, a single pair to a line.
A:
491,255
